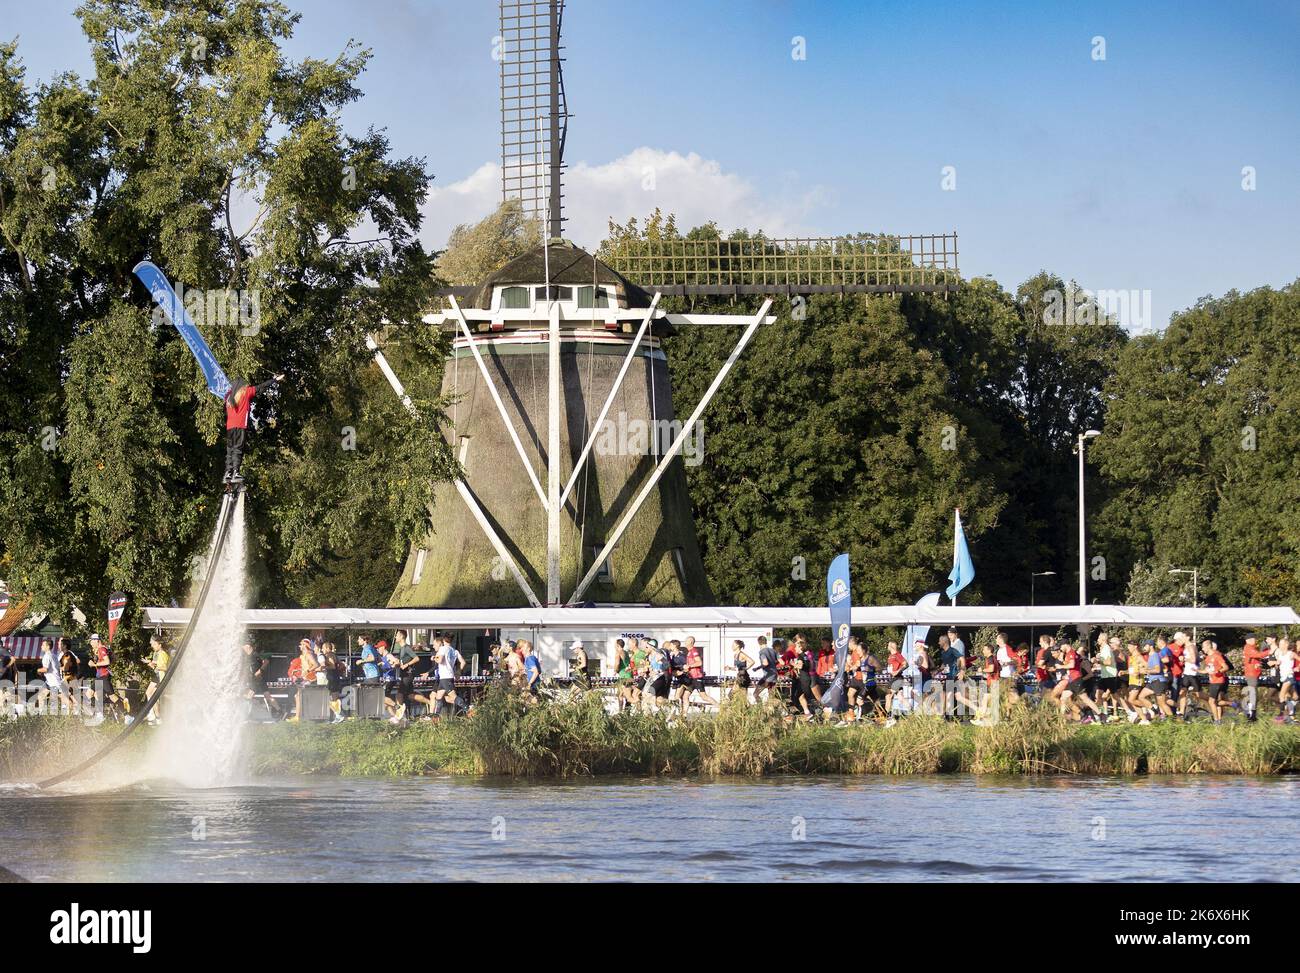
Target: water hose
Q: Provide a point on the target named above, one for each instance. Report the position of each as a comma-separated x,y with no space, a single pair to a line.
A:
228,501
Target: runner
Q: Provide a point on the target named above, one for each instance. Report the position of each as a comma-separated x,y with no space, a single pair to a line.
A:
623,676
1074,698
1286,681
1135,664
257,688
659,677
897,664
764,673
802,696
51,668
159,661
695,678
447,663
1253,659
952,656
1107,676
1045,667
1189,684
532,669
1008,662
1157,670
1216,666
102,663
741,662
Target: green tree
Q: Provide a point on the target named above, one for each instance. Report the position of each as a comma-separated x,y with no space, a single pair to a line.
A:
1202,447
109,455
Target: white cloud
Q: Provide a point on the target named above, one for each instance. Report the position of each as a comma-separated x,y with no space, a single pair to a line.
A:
694,188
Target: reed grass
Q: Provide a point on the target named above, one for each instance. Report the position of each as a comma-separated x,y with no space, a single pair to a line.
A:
577,738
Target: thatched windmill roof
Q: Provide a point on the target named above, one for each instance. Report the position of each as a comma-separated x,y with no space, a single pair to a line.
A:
569,265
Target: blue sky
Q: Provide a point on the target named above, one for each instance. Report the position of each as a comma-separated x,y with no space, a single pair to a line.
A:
1123,173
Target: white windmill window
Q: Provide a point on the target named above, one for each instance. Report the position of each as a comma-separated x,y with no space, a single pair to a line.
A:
592,297
558,293
418,573
515,297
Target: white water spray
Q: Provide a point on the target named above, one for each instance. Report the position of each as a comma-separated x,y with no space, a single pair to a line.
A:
200,741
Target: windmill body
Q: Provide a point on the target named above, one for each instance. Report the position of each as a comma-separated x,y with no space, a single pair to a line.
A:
510,323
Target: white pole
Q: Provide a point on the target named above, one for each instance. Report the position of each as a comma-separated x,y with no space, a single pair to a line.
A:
552,420
1083,576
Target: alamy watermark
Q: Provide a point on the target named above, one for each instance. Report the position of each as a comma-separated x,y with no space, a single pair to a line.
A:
1078,306
624,436
220,308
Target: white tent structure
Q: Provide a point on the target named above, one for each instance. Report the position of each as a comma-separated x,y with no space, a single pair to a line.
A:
553,629
590,619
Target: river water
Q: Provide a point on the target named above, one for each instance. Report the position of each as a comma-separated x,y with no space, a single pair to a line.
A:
850,829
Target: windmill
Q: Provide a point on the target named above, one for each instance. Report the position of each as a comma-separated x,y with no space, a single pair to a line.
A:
574,459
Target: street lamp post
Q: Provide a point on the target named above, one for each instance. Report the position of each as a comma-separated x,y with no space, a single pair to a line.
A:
1196,580
1083,542
1032,578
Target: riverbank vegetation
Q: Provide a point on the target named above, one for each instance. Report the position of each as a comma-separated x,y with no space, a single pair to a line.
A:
509,738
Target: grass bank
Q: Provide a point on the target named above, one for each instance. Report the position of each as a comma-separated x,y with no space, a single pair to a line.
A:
506,737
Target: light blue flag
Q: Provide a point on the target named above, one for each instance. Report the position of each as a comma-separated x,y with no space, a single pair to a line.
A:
915,632
963,568
160,289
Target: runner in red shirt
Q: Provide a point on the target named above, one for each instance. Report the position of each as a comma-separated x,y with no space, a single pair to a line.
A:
896,662
1253,658
1216,666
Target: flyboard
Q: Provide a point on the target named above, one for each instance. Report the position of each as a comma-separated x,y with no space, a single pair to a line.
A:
161,290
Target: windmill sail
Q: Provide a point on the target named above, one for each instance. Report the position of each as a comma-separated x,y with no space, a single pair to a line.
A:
534,112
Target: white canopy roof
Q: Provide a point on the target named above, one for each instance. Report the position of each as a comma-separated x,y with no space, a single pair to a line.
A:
633,617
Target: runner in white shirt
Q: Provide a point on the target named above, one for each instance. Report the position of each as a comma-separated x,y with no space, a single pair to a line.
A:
1286,687
448,660
1007,660
1189,685
52,669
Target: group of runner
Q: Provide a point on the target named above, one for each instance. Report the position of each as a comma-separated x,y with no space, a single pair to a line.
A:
66,683
394,668
1143,681
1161,678
653,676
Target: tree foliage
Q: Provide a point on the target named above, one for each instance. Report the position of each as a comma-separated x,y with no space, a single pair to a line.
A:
198,144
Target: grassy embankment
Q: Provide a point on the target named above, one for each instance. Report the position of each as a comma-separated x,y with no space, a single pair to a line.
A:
507,738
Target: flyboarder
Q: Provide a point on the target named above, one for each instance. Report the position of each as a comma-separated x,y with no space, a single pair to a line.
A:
239,402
